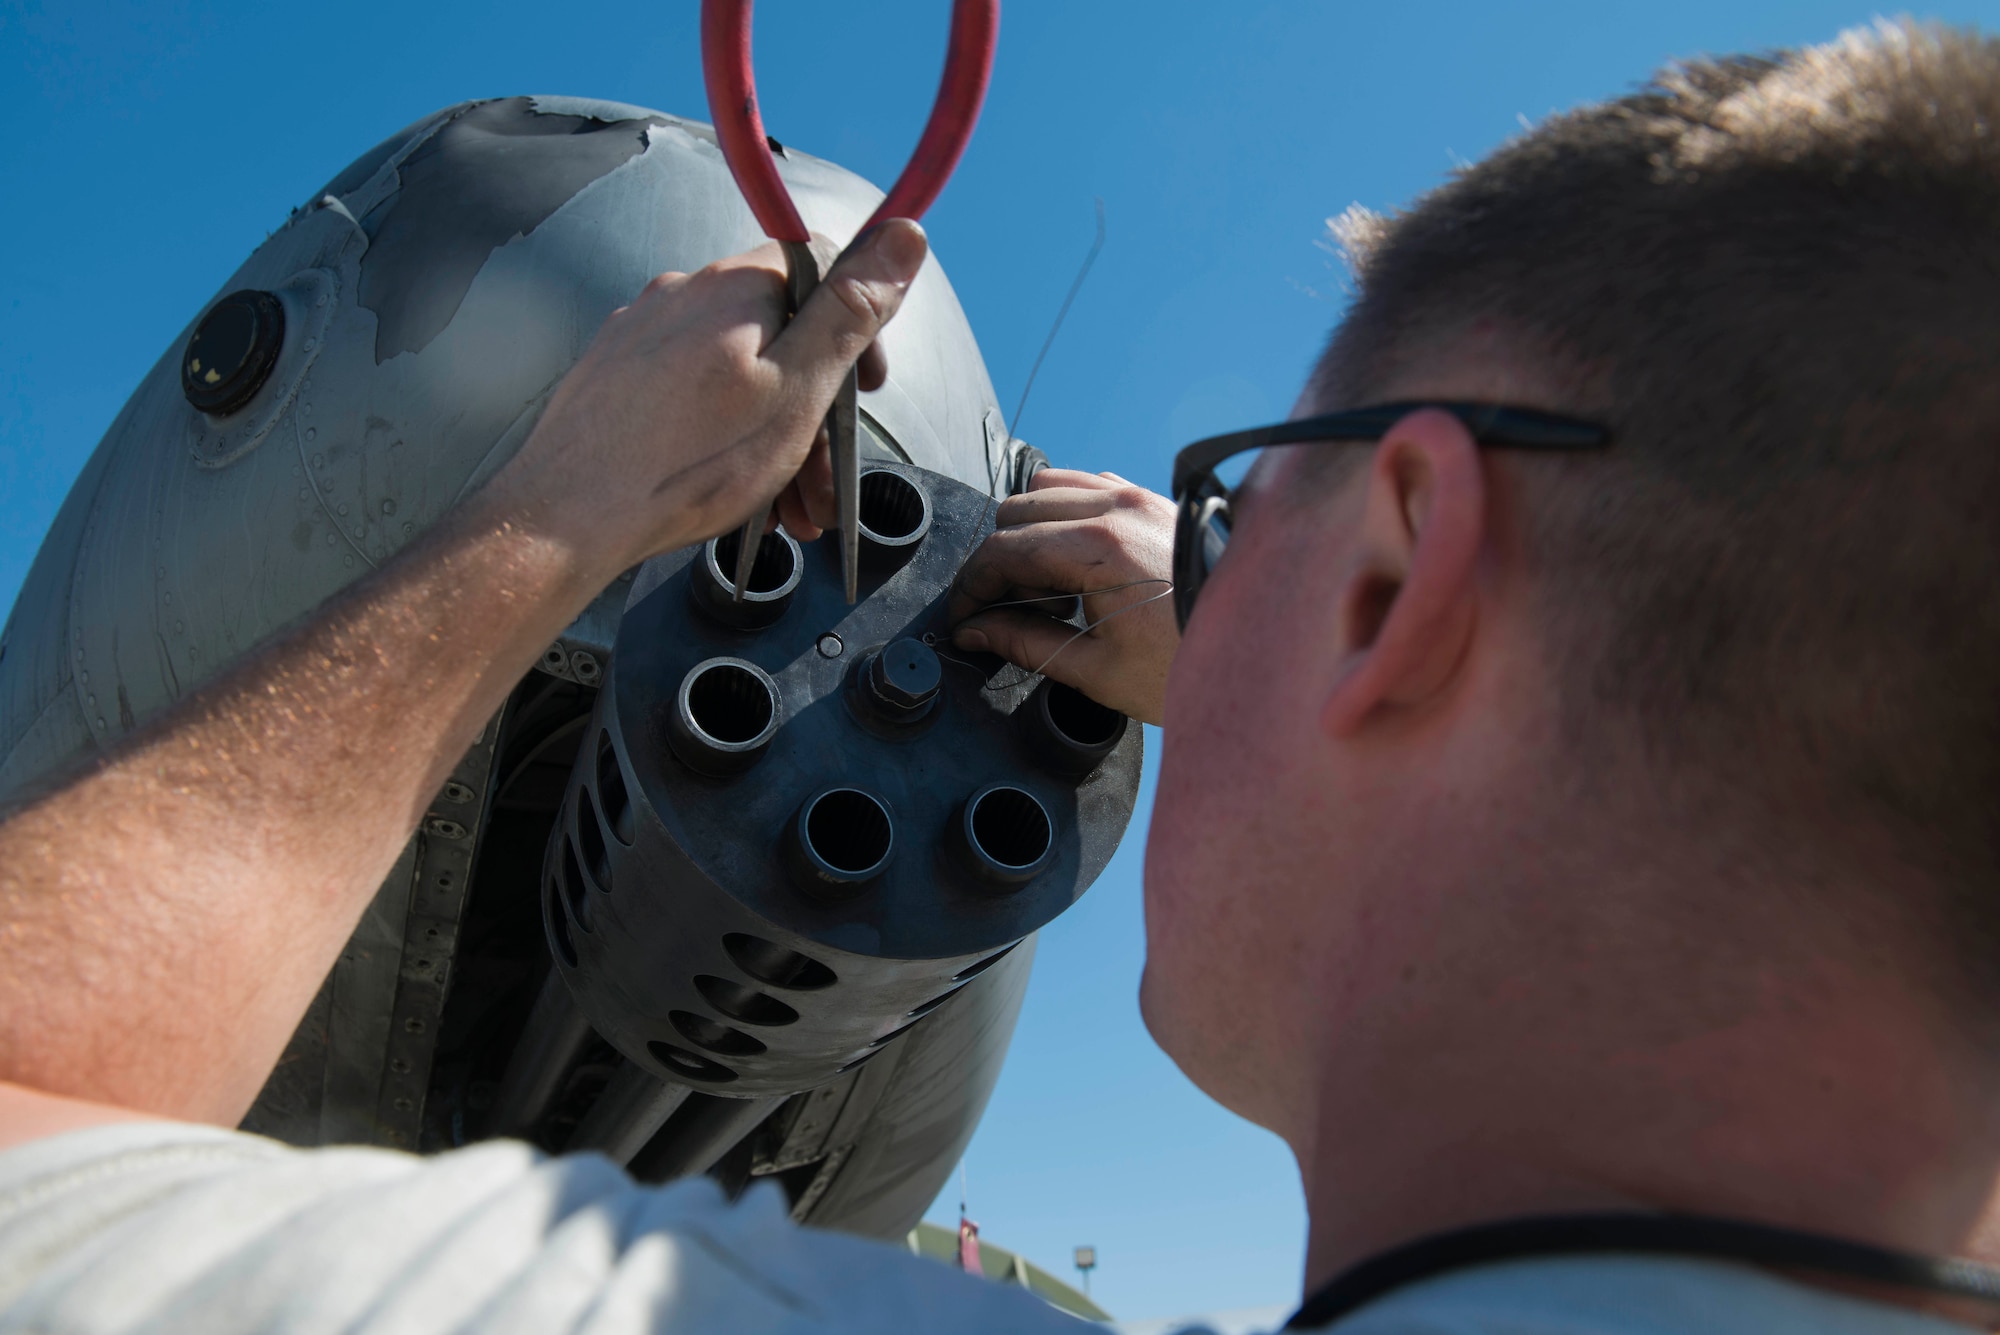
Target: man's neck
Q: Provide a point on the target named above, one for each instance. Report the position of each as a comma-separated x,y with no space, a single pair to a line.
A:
1827,1098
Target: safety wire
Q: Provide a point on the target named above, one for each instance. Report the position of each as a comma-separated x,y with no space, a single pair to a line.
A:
993,484
1062,313
932,639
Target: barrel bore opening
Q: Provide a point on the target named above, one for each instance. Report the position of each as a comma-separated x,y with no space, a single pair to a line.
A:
1068,731
892,507
718,1038
612,793
730,704
775,572
776,564
1011,827
590,842
849,831
769,962
1081,719
742,1003
689,1065
724,717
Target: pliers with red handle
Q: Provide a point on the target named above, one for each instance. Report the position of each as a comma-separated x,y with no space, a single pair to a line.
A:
732,101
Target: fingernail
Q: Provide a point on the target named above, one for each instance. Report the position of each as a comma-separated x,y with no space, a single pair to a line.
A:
902,246
973,641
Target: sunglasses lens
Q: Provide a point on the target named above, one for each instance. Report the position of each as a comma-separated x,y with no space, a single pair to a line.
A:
1214,532
1199,541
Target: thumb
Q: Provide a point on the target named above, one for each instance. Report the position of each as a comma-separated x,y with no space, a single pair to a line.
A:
847,310
1031,642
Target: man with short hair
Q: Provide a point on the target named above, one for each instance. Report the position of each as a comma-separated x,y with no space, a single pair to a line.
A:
1573,833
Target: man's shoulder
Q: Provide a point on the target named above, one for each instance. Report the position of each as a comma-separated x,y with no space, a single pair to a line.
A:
186,1227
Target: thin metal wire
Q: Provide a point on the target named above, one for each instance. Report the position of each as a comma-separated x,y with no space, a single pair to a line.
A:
993,485
1087,628
1076,286
1109,616
1087,593
992,462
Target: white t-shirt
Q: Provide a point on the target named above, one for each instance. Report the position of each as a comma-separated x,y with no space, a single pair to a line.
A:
161,1227
158,1227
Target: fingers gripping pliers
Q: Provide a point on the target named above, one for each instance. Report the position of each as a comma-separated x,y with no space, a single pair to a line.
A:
732,101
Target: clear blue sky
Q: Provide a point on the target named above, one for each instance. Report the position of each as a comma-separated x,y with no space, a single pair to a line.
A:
155,144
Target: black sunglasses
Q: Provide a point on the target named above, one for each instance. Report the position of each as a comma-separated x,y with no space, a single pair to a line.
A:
1201,531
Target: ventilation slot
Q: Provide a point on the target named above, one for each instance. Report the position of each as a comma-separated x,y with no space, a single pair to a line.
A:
690,1065
931,1005
974,970
706,1033
741,1003
590,841
612,793
559,926
769,962
576,890
866,1057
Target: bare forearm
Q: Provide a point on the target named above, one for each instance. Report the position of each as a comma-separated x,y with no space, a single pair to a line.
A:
165,919
168,916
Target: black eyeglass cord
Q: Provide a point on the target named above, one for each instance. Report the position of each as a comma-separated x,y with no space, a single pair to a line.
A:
1664,1234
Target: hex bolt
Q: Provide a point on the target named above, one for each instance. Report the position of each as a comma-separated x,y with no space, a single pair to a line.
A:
903,679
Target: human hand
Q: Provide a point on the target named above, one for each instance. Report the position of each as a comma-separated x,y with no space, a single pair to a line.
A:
698,404
1089,534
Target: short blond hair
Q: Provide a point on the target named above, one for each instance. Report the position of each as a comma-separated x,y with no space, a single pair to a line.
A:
1777,279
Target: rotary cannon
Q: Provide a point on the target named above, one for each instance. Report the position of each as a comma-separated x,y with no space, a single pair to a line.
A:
738,886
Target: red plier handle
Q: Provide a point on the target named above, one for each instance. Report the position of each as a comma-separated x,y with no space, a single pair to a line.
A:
732,101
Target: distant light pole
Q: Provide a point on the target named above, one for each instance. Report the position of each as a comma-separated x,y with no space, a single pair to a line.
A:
1086,1261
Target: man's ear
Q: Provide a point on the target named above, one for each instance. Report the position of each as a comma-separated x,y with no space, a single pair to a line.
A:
1407,604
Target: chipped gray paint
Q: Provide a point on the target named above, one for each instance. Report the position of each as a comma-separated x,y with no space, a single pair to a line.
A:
189,540
494,172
